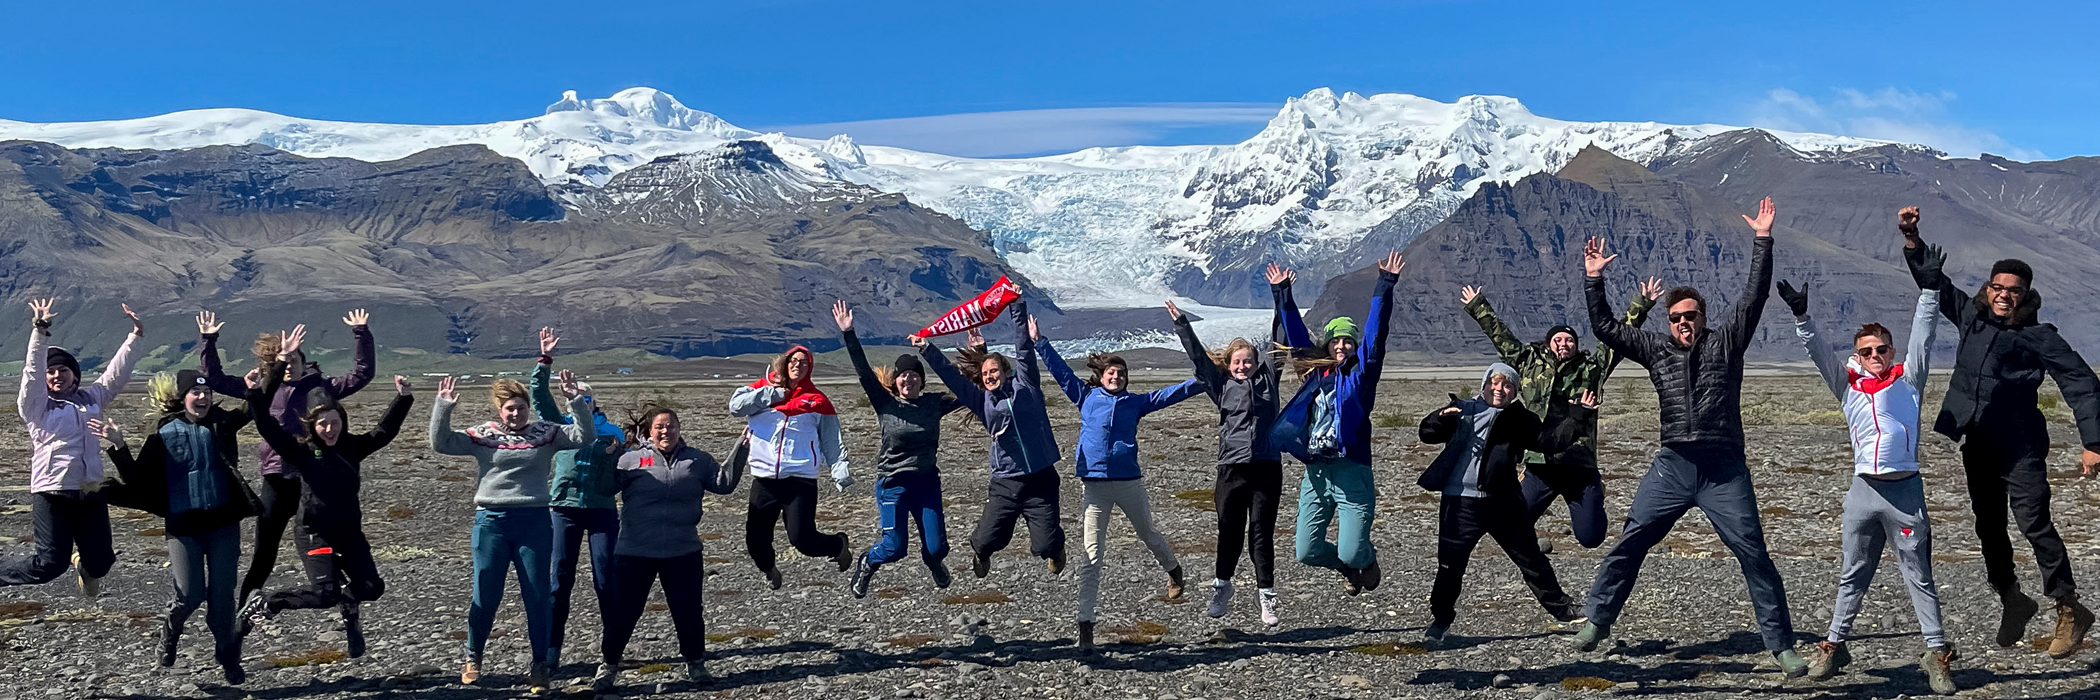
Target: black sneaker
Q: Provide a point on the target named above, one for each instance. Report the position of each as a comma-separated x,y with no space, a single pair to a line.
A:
353,633
2018,610
230,665
845,556
254,612
1352,582
1370,576
980,565
863,576
773,577
1056,562
939,571
170,635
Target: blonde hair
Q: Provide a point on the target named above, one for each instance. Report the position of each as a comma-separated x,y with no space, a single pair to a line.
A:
504,390
1222,357
267,347
163,398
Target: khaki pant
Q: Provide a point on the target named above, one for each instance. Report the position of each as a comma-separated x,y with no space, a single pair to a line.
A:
1129,496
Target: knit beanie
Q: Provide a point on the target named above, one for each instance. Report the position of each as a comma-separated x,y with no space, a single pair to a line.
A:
909,363
1570,330
188,379
1341,327
60,357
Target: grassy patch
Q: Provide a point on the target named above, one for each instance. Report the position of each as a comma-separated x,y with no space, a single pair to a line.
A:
1389,649
652,668
153,532
1197,495
1576,683
889,593
752,632
400,512
452,477
1394,420
22,610
985,597
657,607
314,657
1777,510
1144,632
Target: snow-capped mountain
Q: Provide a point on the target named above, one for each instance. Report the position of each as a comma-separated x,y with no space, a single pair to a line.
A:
1100,227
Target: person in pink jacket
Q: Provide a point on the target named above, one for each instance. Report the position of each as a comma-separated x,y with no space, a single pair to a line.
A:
65,469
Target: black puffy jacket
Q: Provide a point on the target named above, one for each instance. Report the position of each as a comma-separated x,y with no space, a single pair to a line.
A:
1999,365
1700,388
1516,431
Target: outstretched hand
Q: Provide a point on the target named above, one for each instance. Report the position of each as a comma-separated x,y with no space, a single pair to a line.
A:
1907,221
548,340
289,343
570,388
105,430
208,323
253,379
1392,264
1173,310
1652,288
138,327
1587,400
1593,258
1035,334
357,317
40,311
916,341
1762,225
401,386
975,337
447,386
843,315
1279,274
1796,299
2089,464
1467,294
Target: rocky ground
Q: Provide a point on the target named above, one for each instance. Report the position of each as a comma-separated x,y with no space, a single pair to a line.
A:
1687,632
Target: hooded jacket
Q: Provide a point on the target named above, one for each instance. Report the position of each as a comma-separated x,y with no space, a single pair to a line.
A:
333,475
166,476
293,394
1246,407
1999,364
794,432
63,456
1107,449
1698,388
1882,411
1514,431
1354,382
1552,384
911,430
583,478
1013,413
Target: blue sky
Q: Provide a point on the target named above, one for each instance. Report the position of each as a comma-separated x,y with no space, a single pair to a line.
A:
977,78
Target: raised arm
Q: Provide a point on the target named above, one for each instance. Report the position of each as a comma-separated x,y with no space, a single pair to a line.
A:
1169,396
1636,316
117,372
1924,326
35,396
443,439
390,424
362,365
967,391
581,430
1294,333
1075,388
542,387
878,397
1207,372
1611,332
287,446
1506,343
1371,354
1925,262
208,360
1827,364
1025,360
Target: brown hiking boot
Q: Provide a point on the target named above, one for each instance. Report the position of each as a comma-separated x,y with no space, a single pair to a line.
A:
1827,658
1174,584
2072,621
1938,663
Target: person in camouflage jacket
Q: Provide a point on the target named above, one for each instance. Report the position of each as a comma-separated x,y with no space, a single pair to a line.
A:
1555,373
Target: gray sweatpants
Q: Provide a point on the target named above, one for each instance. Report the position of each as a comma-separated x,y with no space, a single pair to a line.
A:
1877,511
206,569
1099,498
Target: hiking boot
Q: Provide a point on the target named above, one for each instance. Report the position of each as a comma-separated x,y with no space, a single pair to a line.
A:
1351,583
170,635
939,571
1592,634
772,577
470,672
1268,607
1828,657
2019,609
1370,576
90,586
253,613
1220,598
844,559
1790,662
2072,621
981,565
354,634
1434,635
1174,584
1056,562
1938,663
1086,638
606,678
863,576
230,666
696,672
536,678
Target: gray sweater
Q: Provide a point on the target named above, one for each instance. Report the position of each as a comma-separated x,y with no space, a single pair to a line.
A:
660,499
515,466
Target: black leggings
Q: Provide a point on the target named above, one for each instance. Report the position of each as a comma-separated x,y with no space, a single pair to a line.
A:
63,522
339,573
1461,524
280,501
1246,498
794,498
682,576
1033,496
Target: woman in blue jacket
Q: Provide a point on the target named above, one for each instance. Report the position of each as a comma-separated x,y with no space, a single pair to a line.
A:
1107,461
1328,427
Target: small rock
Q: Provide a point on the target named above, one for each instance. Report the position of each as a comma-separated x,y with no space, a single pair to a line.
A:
1502,680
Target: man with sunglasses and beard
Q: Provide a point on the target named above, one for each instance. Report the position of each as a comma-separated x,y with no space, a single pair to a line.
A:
1991,408
1698,375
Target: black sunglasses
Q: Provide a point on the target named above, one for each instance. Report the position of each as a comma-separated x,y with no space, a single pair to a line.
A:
1682,316
1872,350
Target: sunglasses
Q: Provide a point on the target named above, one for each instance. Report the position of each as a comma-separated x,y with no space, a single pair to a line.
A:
1683,316
1872,350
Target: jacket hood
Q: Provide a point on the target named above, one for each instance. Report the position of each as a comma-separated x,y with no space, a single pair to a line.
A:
2026,314
1504,370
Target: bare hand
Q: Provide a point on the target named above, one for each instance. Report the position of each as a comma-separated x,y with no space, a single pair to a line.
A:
842,314
253,378
138,327
1393,263
1907,221
569,388
1588,400
401,386
1762,225
916,341
1173,310
289,342
1593,258
1652,288
2089,463
40,310
208,323
357,317
1467,294
107,431
1448,411
548,340
1279,274
1034,334
446,386
976,338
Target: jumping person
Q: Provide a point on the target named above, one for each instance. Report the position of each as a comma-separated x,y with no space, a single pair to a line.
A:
581,500
909,488
1484,440
340,572
661,484
1243,380
1556,372
1107,461
65,469
280,485
1328,427
1698,375
1881,399
1991,408
186,473
514,457
793,431
1006,396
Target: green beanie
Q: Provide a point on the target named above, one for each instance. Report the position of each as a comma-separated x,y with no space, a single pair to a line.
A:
1342,327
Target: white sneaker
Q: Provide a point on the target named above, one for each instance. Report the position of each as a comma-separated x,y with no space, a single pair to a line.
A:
1268,607
1220,598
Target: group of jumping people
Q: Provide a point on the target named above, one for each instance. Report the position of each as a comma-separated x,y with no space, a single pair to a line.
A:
555,473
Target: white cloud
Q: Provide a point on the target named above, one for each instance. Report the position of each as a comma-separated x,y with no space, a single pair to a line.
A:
1888,113
1034,131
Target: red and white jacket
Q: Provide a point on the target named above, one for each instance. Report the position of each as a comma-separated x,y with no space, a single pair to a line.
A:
1882,411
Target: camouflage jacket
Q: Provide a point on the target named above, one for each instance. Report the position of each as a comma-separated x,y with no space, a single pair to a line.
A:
1550,385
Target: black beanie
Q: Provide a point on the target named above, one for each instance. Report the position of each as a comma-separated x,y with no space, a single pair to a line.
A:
1570,330
60,357
909,363
2010,266
188,379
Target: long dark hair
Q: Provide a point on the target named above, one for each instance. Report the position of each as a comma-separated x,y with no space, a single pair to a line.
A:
638,426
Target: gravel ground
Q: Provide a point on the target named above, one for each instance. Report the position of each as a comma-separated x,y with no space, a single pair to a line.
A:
1687,631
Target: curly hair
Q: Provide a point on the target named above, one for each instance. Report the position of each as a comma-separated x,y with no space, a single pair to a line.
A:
780,364
1099,362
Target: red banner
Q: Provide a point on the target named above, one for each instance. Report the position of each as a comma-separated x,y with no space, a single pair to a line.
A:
975,312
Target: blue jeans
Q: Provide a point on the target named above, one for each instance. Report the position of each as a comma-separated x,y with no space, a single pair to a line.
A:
914,496
506,538
1336,490
570,526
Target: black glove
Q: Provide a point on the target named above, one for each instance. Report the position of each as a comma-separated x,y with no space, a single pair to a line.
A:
1925,265
1796,299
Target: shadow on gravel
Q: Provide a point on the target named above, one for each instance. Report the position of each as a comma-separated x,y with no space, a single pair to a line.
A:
1614,671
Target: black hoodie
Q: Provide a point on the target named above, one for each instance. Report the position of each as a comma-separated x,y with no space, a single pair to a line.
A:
145,478
1999,365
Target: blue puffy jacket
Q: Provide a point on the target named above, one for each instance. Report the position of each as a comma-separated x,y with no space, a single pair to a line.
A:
1355,381
1108,422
